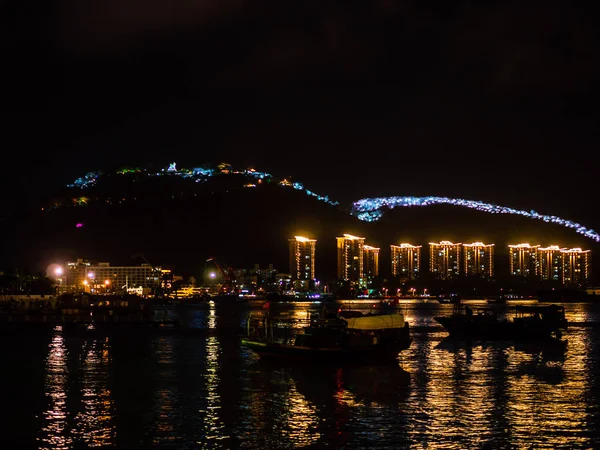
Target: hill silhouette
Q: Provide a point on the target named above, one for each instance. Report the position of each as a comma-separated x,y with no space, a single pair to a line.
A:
179,223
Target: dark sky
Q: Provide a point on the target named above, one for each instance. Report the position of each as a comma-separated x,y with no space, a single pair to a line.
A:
494,101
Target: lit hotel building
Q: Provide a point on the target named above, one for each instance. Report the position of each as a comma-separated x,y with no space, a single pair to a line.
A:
576,265
302,258
102,277
444,259
370,262
479,259
350,258
524,260
406,261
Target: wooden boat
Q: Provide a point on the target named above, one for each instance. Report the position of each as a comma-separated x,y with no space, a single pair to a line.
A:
527,323
358,339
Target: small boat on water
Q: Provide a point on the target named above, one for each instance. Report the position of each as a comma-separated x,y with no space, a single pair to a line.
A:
349,337
448,298
525,324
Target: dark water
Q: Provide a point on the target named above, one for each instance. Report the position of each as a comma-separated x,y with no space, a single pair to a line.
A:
144,390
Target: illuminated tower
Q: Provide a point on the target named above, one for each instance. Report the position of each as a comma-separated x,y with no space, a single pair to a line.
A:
406,261
479,259
444,259
350,258
550,263
302,258
576,265
370,262
524,260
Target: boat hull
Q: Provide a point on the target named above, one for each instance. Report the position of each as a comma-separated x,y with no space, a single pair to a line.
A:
460,326
348,355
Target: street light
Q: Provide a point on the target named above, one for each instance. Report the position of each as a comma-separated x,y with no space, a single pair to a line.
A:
91,283
58,272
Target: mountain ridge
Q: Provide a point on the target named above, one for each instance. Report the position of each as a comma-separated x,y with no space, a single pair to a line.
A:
178,222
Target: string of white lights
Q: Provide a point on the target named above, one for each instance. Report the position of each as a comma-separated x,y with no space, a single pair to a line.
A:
370,210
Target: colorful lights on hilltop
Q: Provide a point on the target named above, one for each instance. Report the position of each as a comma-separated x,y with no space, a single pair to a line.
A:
203,173
89,179
371,210
367,209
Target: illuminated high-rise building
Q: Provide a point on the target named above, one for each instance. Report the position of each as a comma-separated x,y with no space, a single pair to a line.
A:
576,266
350,258
302,258
478,259
102,277
370,262
550,263
524,260
406,261
444,259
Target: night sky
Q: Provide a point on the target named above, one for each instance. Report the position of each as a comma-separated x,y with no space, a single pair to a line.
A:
494,102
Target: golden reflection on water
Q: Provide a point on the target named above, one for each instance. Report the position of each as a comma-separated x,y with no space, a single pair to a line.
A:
578,313
543,403
500,392
298,418
213,426
94,424
279,416
55,434
212,316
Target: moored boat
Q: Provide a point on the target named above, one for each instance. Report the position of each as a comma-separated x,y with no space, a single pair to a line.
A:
526,323
357,339
448,298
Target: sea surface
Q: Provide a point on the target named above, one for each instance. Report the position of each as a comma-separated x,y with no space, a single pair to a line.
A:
138,390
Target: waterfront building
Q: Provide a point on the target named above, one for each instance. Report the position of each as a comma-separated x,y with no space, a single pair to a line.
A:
406,261
576,266
302,258
550,263
101,277
371,262
524,260
350,258
444,259
478,259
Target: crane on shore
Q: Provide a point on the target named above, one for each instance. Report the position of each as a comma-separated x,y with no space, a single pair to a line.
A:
227,274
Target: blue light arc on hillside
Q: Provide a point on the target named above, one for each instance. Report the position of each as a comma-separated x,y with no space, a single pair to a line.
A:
371,210
366,209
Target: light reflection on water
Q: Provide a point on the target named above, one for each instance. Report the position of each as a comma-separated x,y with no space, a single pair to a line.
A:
54,433
81,409
207,392
94,422
214,429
